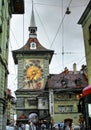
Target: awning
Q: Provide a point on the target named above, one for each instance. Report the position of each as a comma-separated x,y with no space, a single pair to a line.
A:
87,90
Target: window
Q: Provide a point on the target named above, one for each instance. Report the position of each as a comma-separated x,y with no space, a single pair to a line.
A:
43,102
61,108
32,102
69,108
43,112
32,45
32,31
65,108
70,96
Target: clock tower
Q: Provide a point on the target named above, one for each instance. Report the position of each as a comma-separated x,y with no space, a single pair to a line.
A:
33,70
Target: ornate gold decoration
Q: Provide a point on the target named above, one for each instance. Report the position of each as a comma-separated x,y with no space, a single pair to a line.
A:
33,73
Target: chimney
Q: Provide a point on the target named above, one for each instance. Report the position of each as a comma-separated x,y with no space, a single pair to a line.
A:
74,68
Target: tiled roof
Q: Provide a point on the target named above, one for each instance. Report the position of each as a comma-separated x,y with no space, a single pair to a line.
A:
27,50
69,80
26,47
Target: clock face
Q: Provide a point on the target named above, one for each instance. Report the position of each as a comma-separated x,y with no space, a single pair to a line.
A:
33,77
34,73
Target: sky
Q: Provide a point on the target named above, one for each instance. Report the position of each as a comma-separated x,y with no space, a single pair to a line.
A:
55,30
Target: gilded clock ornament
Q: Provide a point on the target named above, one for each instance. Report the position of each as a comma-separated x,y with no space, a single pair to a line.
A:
34,73
34,76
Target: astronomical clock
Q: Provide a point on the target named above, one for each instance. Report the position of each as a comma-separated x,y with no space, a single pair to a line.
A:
33,74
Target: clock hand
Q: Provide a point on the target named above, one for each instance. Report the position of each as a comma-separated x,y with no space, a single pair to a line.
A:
33,75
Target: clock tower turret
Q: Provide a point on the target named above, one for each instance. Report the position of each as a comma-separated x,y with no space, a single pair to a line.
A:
33,61
33,70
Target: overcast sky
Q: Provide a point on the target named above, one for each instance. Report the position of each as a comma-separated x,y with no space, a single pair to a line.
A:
56,30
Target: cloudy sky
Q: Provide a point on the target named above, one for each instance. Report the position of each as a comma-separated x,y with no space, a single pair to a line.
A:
56,30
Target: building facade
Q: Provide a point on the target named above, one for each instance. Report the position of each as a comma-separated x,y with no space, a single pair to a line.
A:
10,106
85,21
66,91
7,8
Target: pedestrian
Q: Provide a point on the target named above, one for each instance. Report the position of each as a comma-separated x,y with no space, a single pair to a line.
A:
20,128
32,126
10,127
16,126
66,126
43,126
23,126
59,127
26,126
39,125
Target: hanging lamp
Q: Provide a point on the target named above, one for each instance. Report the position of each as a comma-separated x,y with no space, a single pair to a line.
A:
68,11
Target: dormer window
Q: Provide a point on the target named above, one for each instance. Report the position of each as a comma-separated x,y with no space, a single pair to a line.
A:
32,45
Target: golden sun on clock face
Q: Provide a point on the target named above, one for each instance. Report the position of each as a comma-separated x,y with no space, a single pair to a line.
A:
33,73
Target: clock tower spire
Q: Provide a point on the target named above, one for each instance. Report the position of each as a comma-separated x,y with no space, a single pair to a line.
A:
32,28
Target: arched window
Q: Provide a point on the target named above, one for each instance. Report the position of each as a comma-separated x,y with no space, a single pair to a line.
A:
32,45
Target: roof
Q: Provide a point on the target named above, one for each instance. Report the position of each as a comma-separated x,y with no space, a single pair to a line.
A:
67,81
27,50
84,15
35,47
32,22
